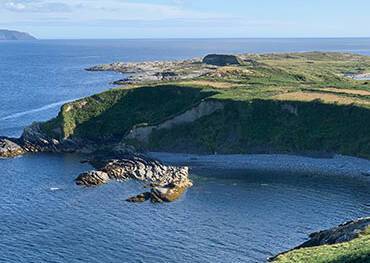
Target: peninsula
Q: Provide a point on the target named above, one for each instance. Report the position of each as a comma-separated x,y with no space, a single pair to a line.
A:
14,35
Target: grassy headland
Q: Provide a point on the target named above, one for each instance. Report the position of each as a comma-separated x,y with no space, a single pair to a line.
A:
355,251
287,103
297,102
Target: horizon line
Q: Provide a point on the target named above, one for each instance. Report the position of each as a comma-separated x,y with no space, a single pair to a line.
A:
200,38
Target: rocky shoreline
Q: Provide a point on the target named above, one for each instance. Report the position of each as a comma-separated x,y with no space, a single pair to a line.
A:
167,183
343,233
121,163
168,70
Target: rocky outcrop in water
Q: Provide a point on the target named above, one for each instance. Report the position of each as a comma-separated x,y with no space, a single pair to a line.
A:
10,148
35,140
342,233
92,178
167,183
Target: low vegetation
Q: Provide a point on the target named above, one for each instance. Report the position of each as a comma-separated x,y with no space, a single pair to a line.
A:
294,102
355,251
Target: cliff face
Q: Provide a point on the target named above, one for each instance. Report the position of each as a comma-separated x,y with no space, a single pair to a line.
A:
285,103
14,35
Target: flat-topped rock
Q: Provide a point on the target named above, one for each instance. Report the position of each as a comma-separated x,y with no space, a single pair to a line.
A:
222,60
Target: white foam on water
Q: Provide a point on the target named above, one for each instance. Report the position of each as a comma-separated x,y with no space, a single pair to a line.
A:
43,108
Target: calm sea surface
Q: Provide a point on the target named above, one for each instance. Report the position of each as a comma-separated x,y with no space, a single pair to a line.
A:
225,217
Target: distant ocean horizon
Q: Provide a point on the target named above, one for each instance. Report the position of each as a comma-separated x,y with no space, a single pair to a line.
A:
201,38
224,217
37,77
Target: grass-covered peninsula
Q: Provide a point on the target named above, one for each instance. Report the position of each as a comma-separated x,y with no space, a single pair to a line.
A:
289,103
353,250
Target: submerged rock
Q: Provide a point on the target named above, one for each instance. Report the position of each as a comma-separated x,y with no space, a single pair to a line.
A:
140,198
9,148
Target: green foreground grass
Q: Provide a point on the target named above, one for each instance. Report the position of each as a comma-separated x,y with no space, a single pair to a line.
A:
355,251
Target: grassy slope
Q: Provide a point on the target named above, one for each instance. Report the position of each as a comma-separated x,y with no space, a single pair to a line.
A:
355,251
111,114
279,102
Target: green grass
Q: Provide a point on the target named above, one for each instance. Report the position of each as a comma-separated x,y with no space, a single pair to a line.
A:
263,126
355,251
110,115
255,119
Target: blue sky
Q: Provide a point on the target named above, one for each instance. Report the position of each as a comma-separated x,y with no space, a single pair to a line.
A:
187,18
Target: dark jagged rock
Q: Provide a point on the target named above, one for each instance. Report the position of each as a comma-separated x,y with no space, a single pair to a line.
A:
10,148
342,233
166,75
140,198
222,60
92,178
34,140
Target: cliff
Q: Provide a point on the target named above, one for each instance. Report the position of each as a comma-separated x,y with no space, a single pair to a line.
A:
272,103
285,103
14,35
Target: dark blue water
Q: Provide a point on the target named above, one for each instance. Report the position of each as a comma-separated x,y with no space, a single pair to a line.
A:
225,217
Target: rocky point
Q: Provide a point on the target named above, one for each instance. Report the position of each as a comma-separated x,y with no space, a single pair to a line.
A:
167,183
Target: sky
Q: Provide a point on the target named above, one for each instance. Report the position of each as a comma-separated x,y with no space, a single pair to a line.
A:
81,19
